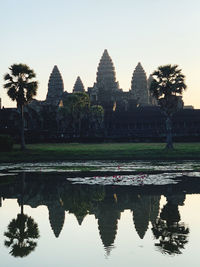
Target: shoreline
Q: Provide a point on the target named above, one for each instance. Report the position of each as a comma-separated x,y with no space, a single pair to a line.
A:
102,151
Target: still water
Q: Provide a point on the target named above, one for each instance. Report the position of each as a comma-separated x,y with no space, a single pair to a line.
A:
46,220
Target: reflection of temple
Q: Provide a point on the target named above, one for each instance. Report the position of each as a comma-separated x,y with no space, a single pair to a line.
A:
107,214
105,203
145,209
56,217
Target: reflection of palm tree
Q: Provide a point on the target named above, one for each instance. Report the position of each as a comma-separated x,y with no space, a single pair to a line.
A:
21,235
172,238
172,235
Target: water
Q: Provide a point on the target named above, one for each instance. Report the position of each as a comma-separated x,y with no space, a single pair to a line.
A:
76,224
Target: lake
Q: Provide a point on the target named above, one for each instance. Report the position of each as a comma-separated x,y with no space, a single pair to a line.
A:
100,214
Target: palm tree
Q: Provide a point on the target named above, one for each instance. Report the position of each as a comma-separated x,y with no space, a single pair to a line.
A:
167,86
21,88
21,235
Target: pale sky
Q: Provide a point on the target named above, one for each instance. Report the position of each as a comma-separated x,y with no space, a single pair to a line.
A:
74,34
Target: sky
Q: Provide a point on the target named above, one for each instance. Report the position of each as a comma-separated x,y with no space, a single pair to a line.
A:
74,34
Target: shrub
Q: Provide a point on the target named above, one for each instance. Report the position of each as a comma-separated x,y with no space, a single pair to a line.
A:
6,143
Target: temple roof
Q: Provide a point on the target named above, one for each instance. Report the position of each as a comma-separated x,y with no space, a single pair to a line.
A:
139,72
106,72
78,86
55,85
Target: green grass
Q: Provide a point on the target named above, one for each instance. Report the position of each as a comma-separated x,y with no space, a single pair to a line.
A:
105,151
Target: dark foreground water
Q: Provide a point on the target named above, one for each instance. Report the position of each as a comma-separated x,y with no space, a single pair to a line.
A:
45,220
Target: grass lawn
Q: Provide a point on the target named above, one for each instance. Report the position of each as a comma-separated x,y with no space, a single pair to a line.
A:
104,151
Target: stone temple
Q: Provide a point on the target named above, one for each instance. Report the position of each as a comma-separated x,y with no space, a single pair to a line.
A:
132,115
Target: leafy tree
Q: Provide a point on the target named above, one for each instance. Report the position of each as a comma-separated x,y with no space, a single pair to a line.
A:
21,235
96,115
75,109
21,88
167,86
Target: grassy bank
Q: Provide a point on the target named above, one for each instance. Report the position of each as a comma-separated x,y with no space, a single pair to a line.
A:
106,151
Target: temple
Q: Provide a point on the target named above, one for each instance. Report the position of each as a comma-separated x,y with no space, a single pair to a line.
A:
132,115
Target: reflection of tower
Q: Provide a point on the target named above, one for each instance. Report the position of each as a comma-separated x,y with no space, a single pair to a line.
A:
141,215
55,87
108,216
145,209
80,217
155,207
56,217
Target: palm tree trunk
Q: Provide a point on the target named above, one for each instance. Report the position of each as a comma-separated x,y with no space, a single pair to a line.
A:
22,192
169,144
22,127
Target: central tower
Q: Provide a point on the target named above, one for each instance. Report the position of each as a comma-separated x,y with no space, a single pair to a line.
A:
105,88
106,77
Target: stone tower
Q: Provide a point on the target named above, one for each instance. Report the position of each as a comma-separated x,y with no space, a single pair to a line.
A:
106,77
106,87
78,86
139,86
55,87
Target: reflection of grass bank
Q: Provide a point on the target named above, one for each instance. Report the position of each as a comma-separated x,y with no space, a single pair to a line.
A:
106,151
76,168
7,179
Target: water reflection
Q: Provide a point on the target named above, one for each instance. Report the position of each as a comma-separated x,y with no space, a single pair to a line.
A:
105,203
21,235
172,234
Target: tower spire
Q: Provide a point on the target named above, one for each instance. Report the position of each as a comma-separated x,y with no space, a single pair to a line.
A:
55,87
106,76
139,85
78,86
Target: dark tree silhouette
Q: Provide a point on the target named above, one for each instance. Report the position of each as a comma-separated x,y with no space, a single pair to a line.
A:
172,234
75,110
21,88
167,86
21,235
96,117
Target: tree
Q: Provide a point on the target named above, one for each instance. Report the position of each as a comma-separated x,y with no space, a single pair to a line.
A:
21,235
167,86
96,117
75,109
21,88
